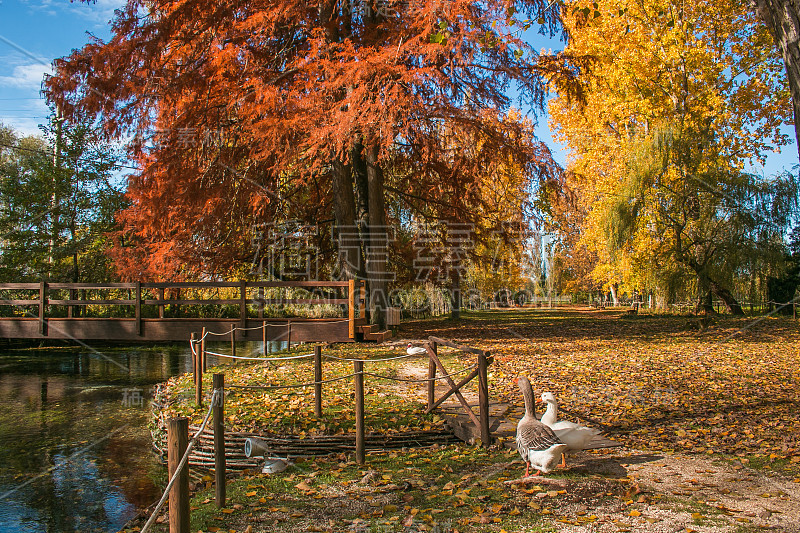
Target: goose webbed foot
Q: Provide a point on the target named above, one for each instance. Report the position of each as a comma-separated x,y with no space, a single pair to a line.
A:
563,463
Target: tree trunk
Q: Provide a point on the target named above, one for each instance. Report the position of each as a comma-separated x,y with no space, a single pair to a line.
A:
613,288
783,21
73,236
55,200
455,294
725,295
704,305
378,246
344,209
707,287
361,177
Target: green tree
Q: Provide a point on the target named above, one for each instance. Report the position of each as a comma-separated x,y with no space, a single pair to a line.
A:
59,199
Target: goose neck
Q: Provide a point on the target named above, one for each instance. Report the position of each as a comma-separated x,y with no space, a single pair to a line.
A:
527,394
551,413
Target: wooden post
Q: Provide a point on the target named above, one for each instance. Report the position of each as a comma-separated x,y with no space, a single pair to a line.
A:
203,365
351,307
198,383
483,400
42,308
264,338
177,441
361,301
431,385
233,342
219,439
358,368
193,344
243,306
317,381
288,333
73,295
161,306
138,308
261,302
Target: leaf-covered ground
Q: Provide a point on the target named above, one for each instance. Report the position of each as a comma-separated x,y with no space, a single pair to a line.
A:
388,408
709,420
654,382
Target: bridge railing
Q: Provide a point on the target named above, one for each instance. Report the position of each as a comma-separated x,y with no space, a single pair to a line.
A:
228,299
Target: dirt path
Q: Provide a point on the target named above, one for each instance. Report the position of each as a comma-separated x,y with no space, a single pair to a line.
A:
674,493
418,369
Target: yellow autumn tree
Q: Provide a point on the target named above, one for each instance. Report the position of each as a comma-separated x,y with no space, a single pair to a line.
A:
482,247
680,96
507,253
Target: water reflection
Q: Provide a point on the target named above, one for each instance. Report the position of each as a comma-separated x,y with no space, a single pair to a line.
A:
75,453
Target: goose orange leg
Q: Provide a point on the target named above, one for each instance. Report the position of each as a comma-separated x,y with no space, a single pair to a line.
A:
563,461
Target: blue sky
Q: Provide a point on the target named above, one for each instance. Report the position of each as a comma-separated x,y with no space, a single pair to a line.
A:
42,30
34,32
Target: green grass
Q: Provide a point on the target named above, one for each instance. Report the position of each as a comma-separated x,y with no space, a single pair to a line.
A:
454,487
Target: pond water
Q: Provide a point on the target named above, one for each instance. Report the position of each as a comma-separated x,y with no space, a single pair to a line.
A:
75,452
75,449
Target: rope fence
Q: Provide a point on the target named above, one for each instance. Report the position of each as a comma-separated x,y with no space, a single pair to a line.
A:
781,305
264,326
296,386
443,377
266,359
177,436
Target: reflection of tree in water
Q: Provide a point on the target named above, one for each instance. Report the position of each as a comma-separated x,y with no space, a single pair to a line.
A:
127,458
83,490
56,404
83,500
74,496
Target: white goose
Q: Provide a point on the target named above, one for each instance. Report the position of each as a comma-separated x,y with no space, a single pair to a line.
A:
536,443
415,350
576,436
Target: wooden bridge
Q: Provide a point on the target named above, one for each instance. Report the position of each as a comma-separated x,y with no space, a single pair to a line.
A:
157,312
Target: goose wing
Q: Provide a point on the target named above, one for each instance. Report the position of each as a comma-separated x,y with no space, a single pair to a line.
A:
535,436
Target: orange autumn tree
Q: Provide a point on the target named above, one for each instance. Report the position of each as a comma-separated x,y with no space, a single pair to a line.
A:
250,111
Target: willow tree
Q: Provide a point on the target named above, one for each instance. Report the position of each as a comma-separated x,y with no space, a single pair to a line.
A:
682,95
268,110
682,207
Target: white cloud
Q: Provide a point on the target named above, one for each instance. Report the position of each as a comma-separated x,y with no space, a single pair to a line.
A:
24,126
28,76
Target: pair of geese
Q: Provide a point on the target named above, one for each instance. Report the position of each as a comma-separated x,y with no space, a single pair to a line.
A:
542,443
